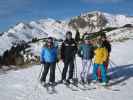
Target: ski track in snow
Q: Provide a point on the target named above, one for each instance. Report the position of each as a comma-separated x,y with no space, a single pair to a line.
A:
24,85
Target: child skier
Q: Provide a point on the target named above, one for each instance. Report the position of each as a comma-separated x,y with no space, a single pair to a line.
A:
49,58
107,45
101,55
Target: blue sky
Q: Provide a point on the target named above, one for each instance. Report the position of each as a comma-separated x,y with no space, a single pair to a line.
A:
14,11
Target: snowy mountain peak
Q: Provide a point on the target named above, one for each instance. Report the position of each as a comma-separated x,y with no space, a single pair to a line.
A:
86,22
96,20
92,13
19,26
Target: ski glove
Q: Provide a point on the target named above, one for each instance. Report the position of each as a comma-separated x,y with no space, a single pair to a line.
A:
57,60
42,62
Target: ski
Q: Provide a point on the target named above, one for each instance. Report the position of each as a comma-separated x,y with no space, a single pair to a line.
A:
50,88
106,87
79,87
85,86
71,86
46,86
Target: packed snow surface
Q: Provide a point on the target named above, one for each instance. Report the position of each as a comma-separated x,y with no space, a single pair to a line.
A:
24,85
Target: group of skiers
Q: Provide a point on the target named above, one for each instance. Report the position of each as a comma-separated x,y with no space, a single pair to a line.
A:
86,50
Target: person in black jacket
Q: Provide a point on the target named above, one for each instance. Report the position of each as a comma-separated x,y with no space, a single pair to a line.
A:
68,51
106,44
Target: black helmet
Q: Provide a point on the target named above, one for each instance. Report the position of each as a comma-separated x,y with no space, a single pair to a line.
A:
50,40
103,35
68,33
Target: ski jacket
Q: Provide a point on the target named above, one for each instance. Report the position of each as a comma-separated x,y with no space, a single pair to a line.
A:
101,55
49,55
85,51
68,49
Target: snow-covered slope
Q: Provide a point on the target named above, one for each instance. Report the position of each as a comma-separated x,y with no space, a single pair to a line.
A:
117,20
24,85
120,34
86,22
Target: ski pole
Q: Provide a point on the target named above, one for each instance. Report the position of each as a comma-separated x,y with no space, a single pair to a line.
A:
39,76
110,65
58,67
59,70
75,70
112,62
91,64
88,71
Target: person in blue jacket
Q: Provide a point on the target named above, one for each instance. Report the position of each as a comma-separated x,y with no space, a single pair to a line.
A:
49,58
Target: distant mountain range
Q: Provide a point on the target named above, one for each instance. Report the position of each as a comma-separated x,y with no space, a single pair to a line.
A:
86,22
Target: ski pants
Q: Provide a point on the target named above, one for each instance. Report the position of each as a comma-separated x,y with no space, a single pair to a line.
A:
106,66
103,72
86,65
48,66
68,63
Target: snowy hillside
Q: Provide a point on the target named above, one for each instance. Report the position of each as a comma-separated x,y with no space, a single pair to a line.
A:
86,22
117,20
24,85
26,32
120,34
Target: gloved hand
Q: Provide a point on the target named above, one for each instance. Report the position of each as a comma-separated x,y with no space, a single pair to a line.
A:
42,62
57,60
104,62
